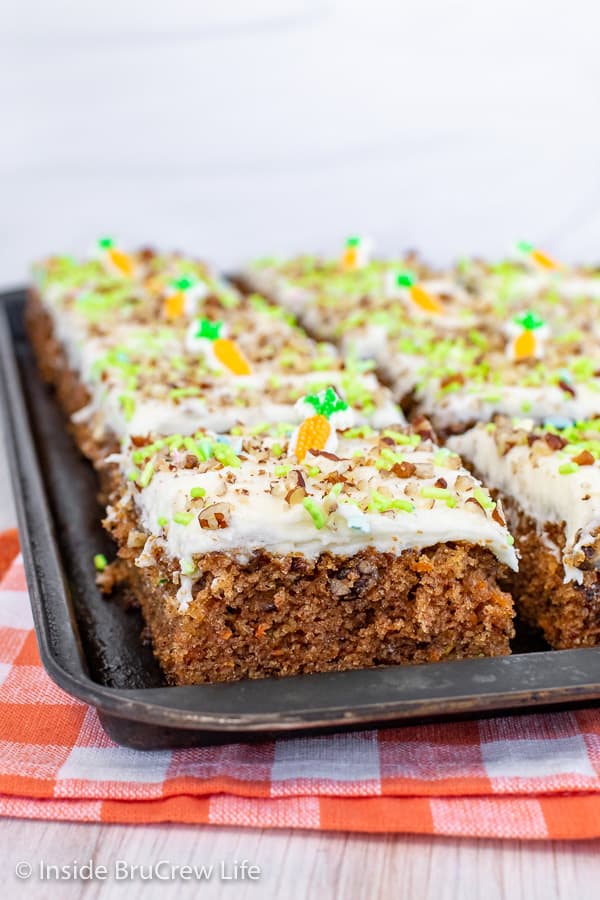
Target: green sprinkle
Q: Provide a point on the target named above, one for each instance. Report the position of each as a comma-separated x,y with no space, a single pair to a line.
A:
100,562
510,540
322,364
435,493
381,504
277,450
138,456
282,471
568,468
260,428
146,476
226,455
205,448
178,393
313,471
127,405
440,457
477,338
404,505
361,431
187,567
197,492
163,521
183,518
315,512
190,444
390,456
133,475
400,438
483,498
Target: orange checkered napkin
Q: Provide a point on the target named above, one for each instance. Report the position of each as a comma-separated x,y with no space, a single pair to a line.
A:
533,776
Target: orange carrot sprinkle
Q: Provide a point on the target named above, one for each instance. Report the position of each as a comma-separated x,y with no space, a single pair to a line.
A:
524,345
175,305
313,434
543,260
349,259
425,300
228,353
121,261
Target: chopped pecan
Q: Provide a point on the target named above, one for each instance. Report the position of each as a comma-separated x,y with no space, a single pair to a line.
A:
404,469
217,515
136,539
554,441
567,388
585,458
497,517
295,495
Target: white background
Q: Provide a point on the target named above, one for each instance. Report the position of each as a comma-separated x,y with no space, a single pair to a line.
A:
235,128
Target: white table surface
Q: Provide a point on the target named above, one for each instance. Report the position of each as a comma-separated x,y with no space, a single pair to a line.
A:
259,126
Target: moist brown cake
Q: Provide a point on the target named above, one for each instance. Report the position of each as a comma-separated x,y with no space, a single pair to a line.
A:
555,471
567,614
70,391
247,610
291,615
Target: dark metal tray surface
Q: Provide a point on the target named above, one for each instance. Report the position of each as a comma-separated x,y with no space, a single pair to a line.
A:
94,649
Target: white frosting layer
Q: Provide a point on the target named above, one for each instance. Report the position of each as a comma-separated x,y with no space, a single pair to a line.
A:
527,285
272,284
539,488
218,411
480,404
218,408
260,517
305,302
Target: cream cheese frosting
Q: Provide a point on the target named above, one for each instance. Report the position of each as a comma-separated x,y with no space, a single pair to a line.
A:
392,491
538,468
147,375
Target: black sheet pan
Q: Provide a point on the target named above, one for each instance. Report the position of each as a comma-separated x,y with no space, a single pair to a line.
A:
93,648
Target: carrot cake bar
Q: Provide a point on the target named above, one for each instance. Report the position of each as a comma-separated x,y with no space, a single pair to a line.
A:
549,480
328,547
216,359
465,347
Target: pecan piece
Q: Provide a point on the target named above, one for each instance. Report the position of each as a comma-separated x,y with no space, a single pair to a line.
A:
217,515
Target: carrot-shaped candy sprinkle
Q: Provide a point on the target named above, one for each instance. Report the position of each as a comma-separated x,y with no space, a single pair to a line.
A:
537,257
183,296
356,254
527,333
115,259
209,338
405,285
326,413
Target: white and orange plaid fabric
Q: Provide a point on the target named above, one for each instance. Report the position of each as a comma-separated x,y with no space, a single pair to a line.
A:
527,776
